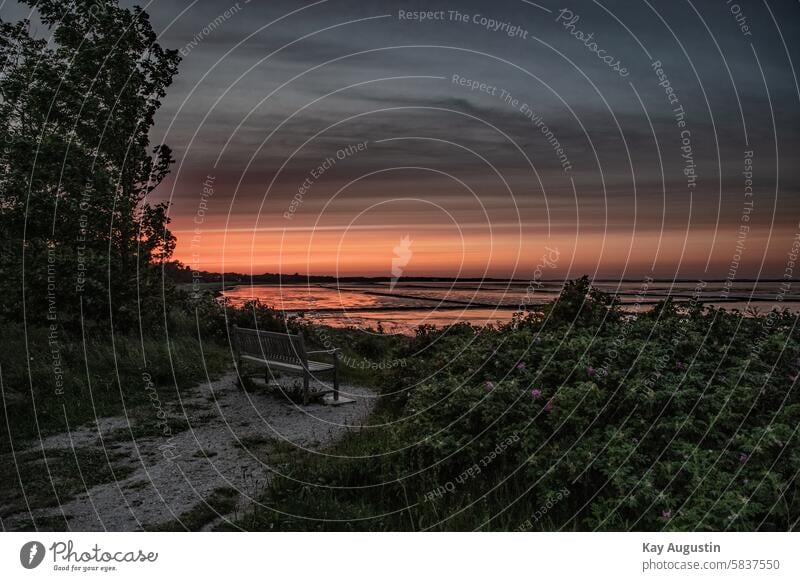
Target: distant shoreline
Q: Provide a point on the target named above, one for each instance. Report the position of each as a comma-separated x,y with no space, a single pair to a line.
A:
270,279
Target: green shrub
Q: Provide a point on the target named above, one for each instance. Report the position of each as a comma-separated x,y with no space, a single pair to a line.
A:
676,419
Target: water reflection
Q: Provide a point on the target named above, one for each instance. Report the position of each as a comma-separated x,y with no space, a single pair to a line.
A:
441,303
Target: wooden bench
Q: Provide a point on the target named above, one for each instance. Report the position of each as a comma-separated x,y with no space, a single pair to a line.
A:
283,352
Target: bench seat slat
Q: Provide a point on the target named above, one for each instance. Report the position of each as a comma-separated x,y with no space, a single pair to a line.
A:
313,366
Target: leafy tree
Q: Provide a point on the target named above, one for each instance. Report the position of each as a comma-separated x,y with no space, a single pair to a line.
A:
79,235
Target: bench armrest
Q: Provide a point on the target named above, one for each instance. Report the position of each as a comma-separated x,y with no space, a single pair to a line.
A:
334,350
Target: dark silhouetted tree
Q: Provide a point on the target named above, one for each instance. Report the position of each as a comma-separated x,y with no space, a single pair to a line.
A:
78,233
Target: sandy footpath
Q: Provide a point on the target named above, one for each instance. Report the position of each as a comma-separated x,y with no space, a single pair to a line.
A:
165,479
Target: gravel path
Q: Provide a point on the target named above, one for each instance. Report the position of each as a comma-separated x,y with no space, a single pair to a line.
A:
228,445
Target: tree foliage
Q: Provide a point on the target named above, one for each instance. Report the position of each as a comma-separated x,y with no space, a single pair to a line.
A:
79,235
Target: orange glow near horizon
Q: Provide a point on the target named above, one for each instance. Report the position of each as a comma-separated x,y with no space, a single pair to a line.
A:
470,252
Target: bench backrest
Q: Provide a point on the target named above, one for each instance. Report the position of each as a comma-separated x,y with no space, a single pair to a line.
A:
270,345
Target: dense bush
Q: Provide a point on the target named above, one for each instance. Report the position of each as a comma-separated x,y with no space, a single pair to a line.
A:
582,418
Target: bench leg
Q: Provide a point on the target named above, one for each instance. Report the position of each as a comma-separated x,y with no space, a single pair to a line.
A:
306,379
335,376
335,385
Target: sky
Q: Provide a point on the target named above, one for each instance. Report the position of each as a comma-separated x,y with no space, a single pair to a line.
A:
617,139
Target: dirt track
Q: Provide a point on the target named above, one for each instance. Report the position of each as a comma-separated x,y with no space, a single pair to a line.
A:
235,442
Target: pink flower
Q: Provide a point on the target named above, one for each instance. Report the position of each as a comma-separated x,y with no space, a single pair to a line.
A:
521,366
743,458
590,370
536,393
666,513
489,386
680,365
548,407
